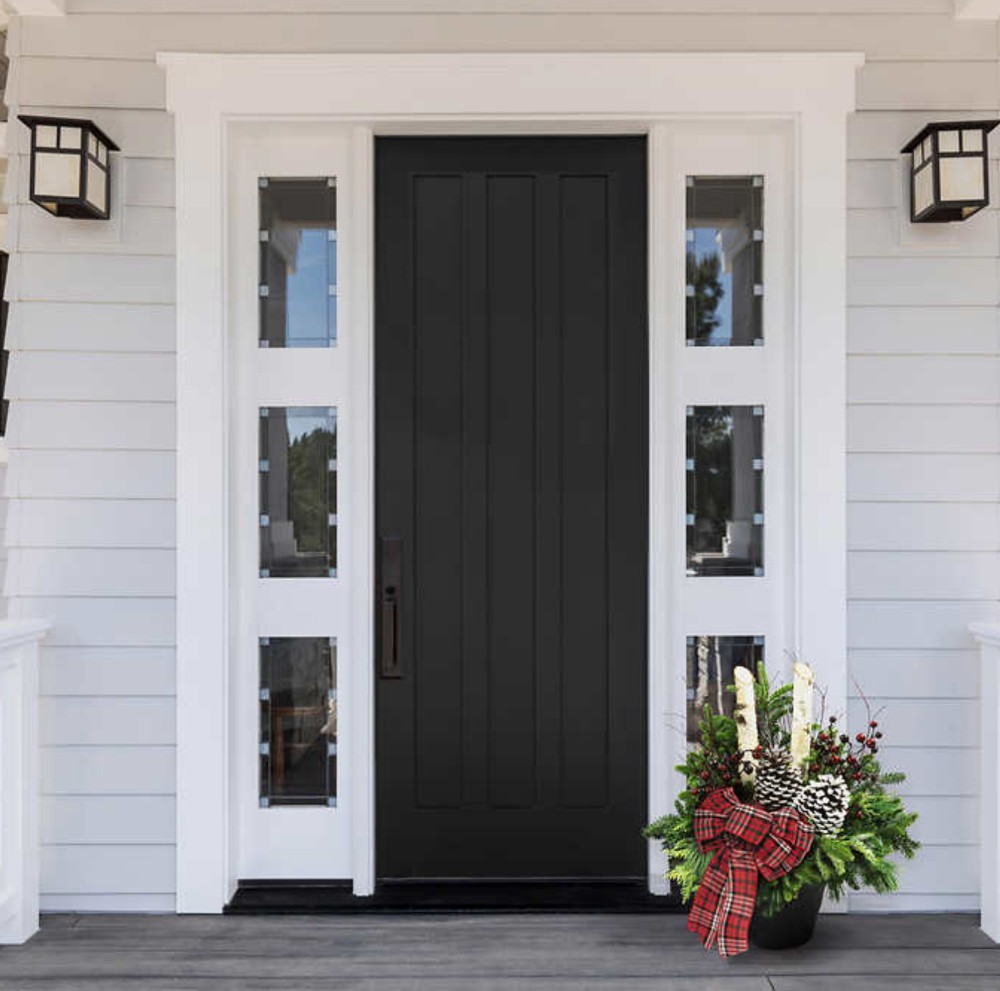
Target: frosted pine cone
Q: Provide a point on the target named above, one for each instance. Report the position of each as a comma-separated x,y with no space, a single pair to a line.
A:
778,783
824,803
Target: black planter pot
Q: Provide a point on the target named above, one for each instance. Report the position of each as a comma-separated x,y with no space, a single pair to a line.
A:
793,925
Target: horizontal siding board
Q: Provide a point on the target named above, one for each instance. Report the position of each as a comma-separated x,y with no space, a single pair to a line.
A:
935,773
870,902
922,575
941,723
968,86
92,474
140,36
93,278
145,230
916,674
87,572
878,233
107,819
922,330
142,133
873,184
99,902
94,622
923,526
109,869
922,281
108,770
49,375
922,478
107,671
149,182
957,867
947,821
88,83
48,326
96,721
924,379
96,425
921,429
94,523
881,134
923,625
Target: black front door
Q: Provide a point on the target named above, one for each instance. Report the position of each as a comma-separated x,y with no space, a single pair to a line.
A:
511,507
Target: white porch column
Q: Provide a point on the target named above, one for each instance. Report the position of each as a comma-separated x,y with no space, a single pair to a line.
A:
19,868
988,635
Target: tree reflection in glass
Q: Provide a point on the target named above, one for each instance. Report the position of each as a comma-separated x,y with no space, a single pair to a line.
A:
725,497
725,260
298,492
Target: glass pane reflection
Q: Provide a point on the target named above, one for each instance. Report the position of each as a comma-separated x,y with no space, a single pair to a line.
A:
298,721
725,490
725,260
710,664
298,492
298,263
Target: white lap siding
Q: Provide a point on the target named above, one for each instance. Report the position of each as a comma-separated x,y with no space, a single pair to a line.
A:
91,479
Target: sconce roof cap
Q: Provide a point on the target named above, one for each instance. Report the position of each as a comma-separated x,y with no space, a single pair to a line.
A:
948,125
32,121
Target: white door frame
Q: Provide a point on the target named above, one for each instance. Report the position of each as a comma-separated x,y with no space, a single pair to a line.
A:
211,94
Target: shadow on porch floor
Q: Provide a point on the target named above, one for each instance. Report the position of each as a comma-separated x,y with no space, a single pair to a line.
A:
489,953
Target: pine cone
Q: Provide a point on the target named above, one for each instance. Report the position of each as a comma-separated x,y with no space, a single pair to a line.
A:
824,803
778,783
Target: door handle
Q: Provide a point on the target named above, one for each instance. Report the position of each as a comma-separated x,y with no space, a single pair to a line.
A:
390,607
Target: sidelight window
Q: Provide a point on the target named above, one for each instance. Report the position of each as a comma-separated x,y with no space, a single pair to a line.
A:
298,262
725,490
298,721
298,492
724,260
710,664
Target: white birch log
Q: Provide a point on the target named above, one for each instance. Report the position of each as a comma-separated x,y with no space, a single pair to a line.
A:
745,714
802,713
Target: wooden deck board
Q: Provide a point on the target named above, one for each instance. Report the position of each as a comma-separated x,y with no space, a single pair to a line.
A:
487,953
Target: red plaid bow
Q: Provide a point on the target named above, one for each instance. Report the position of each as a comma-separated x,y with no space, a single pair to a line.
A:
746,839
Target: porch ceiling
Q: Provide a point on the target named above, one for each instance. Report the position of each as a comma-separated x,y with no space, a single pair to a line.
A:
498,6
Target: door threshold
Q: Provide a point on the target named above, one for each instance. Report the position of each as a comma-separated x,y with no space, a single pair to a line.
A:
337,897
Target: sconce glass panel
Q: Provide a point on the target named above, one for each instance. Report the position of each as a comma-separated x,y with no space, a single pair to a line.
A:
725,261
297,749
298,492
725,490
710,665
298,263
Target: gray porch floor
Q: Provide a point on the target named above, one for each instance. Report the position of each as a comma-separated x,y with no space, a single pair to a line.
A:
489,953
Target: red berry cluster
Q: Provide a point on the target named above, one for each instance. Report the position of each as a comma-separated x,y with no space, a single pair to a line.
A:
710,771
851,759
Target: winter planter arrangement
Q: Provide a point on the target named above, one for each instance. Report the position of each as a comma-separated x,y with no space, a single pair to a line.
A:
777,809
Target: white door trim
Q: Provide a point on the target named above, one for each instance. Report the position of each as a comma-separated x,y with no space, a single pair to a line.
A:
516,92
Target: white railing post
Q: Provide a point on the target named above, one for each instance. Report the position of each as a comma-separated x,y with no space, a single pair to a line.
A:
19,868
988,635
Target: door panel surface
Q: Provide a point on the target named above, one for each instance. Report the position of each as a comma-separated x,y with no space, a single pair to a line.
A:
511,507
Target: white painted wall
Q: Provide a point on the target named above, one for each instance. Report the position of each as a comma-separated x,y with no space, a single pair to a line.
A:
91,530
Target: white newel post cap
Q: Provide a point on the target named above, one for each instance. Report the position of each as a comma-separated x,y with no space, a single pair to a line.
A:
988,637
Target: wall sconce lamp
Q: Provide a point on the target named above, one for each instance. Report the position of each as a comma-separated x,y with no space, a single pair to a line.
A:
949,174
70,167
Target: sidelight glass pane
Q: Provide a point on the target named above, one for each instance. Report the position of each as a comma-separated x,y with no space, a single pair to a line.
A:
710,664
298,263
725,490
298,492
298,721
725,271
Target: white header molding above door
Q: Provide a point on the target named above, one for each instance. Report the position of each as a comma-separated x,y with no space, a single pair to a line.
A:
382,93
